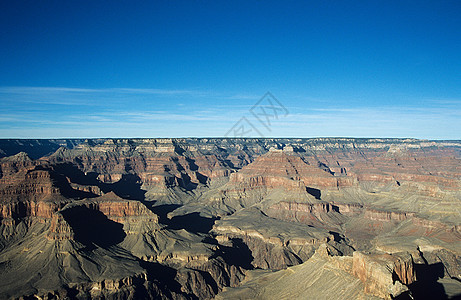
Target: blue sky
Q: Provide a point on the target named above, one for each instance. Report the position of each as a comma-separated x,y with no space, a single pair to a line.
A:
195,68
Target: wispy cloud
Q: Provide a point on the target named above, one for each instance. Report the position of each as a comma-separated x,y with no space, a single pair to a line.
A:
117,112
70,96
451,102
162,116
441,123
38,90
87,96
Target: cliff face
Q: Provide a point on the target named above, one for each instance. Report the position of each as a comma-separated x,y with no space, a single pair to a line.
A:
278,168
17,210
30,194
387,216
324,274
321,215
60,229
383,275
12,164
275,244
204,213
30,184
117,209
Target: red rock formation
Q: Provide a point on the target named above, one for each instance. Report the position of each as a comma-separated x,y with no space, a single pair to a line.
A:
11,165
40,209
386,216
348,209
432,228
60,229
30,193
134,215
91,189
376,272
436,166
323,215
274,168
116,208
317,208
28,184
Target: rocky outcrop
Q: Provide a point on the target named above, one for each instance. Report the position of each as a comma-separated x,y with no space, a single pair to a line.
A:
282,169
35,193
323,276
137,286
275,244
317,214
29,184
116,208
348,209
207,279
135,217
89,189
60,229
384,275
12,164
158,163
387,216
40,209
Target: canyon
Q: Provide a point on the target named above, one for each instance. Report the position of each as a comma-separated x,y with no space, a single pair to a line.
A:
204,218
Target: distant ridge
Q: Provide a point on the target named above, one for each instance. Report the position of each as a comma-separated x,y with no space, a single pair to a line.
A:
37,148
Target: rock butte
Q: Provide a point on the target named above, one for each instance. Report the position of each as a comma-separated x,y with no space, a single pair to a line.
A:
230,218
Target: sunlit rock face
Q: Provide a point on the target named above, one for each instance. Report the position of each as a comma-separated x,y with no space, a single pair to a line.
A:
230,218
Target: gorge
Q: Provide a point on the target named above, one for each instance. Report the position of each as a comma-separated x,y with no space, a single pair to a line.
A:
199,218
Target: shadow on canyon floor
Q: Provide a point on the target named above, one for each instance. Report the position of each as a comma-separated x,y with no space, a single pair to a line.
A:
238,255
128,187
92,227
192,222
426,286
314,192
164,278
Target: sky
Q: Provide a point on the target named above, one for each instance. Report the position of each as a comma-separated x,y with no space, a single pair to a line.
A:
86,69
